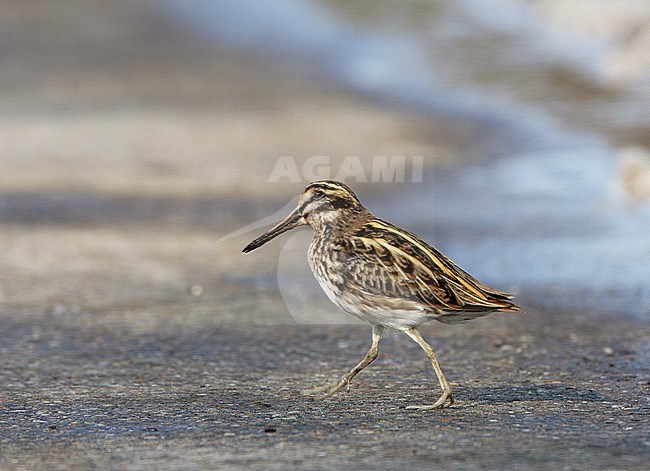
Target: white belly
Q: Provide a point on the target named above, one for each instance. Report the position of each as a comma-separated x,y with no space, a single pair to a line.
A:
374,313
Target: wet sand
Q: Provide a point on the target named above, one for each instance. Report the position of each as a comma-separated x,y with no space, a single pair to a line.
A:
131,339
543,390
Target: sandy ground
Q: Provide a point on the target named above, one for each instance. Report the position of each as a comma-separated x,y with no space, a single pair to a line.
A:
130,339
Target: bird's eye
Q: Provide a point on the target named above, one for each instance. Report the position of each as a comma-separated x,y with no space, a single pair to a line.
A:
318,194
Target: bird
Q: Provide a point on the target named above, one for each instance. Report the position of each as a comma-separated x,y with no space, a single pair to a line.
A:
383,275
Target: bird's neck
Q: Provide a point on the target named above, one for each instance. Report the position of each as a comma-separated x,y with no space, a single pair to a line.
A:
333,224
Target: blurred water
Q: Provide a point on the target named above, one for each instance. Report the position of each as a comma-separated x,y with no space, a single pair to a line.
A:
551,225
546,214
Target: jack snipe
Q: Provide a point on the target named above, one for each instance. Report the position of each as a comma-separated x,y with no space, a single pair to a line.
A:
383,275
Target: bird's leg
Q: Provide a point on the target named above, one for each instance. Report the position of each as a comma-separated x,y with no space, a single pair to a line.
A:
446,399
325,391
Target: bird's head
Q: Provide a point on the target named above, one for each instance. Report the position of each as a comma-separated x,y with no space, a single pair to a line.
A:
325,204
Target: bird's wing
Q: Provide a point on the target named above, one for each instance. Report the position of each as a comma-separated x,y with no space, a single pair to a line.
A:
384,261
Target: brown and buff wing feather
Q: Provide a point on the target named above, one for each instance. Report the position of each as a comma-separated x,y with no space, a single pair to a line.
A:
383,261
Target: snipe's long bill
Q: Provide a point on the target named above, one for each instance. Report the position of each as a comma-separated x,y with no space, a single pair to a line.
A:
383,275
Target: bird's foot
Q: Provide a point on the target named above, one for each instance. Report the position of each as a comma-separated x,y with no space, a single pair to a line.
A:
445,400
323,392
